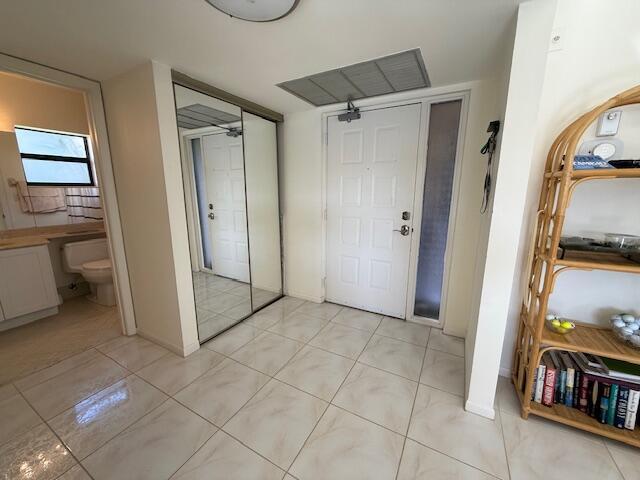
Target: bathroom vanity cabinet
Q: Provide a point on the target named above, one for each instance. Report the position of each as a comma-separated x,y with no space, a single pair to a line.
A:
27,284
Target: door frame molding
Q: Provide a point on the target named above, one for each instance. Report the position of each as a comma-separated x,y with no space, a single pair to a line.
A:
425,101
193,215
96,120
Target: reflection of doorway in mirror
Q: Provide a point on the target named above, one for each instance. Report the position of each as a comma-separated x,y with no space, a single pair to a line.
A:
224,173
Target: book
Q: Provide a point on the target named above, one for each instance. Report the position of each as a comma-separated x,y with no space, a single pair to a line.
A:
549,382
592,364
621,407
576,388
632,409
594,387
613,403
606,379
604,394
570,375
562,385
583,401
535,382
555,357
540,382
622,370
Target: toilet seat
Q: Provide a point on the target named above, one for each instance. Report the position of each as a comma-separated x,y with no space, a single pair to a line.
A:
97,265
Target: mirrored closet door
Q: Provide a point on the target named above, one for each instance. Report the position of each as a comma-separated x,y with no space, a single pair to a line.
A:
230,175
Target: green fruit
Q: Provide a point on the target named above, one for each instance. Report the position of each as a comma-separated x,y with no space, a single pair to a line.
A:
556,322
567,325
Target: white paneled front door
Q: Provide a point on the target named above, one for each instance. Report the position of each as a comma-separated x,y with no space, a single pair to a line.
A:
370,183
224,172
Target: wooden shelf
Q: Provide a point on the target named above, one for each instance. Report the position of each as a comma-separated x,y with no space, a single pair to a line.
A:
599,173
575,418
591,339
544,267
596,261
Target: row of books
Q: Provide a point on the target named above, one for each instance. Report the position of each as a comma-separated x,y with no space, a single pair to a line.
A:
608,390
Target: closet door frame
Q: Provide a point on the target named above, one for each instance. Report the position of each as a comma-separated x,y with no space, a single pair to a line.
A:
188,174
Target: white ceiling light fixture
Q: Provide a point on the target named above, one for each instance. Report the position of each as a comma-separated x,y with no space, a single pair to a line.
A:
255,10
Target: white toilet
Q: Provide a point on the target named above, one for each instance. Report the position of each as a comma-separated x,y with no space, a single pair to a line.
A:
91,259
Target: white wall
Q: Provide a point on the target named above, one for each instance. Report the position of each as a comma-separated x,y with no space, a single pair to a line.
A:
588,70
146,160
494,278
302,186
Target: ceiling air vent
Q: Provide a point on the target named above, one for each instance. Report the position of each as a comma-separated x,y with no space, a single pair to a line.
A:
395,73
198,116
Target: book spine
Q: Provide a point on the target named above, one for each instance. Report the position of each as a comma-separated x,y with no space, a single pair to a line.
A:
613,404
576,389
593,398
604,403
583,402
540,383
535,384
621,407
549,384
563,387
632,409
568,400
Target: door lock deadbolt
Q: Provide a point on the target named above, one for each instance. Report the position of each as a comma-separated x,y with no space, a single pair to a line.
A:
406,215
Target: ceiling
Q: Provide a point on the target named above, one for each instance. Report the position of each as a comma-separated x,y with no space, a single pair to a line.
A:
460,40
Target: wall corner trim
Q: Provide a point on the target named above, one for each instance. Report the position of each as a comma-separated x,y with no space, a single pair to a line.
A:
481,410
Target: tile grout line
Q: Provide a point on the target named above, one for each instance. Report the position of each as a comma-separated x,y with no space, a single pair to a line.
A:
504,440
55,376
307,343
606,445
330,401
55,434
453,458
413,404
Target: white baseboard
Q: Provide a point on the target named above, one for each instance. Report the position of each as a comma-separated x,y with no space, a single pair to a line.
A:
480,410
27,318
309,298
177,349
504,372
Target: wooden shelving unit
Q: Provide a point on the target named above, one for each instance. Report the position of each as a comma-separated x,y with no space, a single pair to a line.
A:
560,181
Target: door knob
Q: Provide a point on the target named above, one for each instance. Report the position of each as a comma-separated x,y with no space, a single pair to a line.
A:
211,216
404,230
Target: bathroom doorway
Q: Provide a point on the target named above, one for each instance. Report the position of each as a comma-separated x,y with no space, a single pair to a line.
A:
63,278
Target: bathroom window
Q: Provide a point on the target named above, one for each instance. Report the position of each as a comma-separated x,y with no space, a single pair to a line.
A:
54,159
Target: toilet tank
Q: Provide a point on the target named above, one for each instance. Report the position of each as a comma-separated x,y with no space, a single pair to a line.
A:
77,253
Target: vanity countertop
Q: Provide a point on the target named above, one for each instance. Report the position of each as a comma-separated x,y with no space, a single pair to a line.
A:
31,237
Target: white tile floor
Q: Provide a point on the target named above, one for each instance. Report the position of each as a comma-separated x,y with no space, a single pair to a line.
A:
221,302
298,391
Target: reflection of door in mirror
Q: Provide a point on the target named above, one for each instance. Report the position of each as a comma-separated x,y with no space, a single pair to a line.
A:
213,174
261,165
224,173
